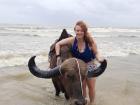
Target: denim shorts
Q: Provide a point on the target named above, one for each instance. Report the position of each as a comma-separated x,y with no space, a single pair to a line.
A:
91,66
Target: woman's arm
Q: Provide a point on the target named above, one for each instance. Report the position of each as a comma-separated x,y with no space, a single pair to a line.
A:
95,50
63,42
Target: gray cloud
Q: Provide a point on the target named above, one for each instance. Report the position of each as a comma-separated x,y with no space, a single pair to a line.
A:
66,12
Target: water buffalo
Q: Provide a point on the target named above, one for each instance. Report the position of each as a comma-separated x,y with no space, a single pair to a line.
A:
68,76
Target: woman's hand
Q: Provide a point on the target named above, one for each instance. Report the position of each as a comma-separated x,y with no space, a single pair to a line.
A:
100,59
59,61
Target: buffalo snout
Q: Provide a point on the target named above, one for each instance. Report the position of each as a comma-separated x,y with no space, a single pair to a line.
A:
80,102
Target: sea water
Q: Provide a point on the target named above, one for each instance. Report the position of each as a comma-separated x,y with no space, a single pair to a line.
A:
19,42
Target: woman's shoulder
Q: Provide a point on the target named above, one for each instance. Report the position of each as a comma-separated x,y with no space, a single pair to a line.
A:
68,40
71,39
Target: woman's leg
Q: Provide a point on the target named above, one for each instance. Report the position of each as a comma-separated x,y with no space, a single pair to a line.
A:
84,87
91,87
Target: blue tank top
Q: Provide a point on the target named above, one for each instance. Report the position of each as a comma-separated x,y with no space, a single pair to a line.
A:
86,56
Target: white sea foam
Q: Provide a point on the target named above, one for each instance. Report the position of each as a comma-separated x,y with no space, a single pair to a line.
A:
20,59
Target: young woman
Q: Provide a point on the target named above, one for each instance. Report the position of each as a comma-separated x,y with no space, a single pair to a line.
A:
83,47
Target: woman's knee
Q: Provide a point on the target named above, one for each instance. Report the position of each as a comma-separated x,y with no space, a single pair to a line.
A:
91,83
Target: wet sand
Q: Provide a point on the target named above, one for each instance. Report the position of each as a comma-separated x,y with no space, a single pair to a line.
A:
119,85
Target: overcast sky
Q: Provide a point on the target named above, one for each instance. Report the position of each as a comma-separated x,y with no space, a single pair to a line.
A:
66,12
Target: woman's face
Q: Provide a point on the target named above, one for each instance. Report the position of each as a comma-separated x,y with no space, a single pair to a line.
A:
79,32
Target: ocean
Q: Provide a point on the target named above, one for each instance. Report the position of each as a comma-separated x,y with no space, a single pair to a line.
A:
19,42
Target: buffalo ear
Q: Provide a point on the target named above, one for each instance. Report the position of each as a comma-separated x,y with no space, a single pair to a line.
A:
63,35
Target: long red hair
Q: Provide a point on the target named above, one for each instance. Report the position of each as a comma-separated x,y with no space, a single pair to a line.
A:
87,36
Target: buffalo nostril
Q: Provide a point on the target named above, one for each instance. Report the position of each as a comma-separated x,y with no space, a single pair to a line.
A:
79,103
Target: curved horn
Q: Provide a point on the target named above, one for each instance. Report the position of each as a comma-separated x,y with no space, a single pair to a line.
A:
41,73
98,71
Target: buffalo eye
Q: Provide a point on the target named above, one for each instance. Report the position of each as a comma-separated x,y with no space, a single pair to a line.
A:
70,77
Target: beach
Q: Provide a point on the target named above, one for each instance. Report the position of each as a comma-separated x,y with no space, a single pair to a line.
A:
118,85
